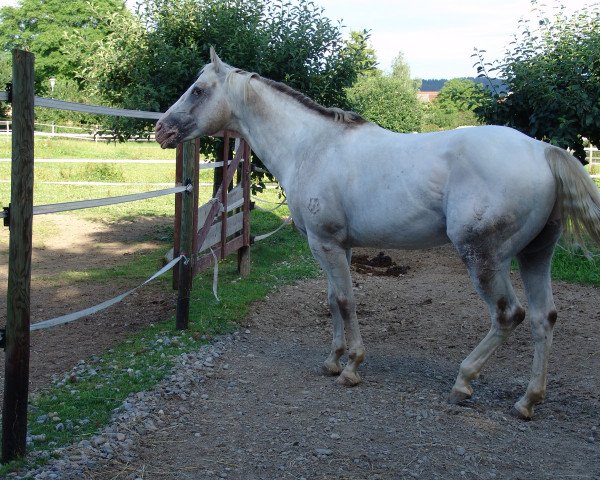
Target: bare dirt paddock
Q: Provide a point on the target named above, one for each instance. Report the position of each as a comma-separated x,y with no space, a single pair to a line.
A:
266,412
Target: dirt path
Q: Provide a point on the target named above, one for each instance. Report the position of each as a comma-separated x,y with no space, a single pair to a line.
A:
264,410
67,243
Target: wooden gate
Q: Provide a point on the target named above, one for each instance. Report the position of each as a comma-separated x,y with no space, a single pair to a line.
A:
205,234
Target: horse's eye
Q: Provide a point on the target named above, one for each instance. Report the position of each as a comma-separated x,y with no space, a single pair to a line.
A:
197,91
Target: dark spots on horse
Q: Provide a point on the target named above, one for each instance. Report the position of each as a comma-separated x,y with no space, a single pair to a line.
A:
504,318
501,304
552,316
314,206
344,306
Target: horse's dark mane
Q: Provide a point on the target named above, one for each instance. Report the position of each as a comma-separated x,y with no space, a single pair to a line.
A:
334,114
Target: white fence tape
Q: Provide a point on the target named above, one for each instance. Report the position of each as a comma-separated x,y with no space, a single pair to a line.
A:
101,202
286,221
71,317
80,107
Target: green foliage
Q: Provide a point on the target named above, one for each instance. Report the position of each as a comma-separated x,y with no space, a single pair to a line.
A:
388,100
455,105
149,60
5,77
401,72
552,75
62,34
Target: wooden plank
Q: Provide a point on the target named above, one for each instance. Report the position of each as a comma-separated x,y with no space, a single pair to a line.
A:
16,378
236,194
234,225
205,261
203,212
224,189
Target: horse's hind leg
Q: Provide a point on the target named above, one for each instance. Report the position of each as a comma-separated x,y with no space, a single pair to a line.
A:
335,261
535,263
492,281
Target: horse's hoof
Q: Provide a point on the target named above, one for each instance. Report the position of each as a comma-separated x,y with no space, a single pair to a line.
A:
456,396
521,412
348,379
331,369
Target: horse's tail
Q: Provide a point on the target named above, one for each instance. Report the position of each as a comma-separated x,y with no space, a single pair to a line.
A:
578,197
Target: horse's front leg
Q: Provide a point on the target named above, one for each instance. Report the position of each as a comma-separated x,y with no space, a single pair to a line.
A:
335,262
332,365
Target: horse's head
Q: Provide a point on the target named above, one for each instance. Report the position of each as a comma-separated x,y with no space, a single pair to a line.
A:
202,110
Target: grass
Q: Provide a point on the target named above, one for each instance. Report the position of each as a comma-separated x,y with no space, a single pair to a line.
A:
56,147
574,267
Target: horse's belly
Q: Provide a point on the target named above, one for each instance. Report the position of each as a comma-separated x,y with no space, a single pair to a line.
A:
425,232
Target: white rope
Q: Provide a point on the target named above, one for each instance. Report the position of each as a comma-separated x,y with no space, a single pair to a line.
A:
269,210
101,202
71,317
215,275
286,221
256,199
80,107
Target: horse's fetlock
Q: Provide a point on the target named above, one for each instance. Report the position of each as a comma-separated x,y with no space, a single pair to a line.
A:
340,350
356,355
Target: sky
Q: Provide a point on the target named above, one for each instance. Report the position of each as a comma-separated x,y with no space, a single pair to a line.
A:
437,37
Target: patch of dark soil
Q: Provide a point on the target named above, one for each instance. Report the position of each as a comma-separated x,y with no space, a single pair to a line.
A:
381,265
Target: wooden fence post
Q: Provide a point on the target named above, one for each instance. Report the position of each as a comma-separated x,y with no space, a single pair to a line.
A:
186,236
178,201
16,378
244,252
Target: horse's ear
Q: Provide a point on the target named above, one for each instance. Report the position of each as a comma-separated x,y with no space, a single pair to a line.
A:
215,60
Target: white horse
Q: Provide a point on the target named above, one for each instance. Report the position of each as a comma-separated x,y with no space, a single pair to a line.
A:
492,192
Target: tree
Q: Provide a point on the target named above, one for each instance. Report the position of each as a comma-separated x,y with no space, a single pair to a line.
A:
552,75
385,101
388,100
455,105
150,59
401,72
5,77
61,34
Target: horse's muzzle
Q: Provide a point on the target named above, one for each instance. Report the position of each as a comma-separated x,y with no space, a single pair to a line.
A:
166,135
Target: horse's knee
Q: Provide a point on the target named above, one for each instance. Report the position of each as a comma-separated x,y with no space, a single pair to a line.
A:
508,317
542,326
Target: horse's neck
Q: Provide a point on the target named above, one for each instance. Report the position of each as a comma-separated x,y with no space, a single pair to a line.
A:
281,131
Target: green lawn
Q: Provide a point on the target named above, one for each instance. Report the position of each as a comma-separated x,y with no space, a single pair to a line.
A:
56,147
